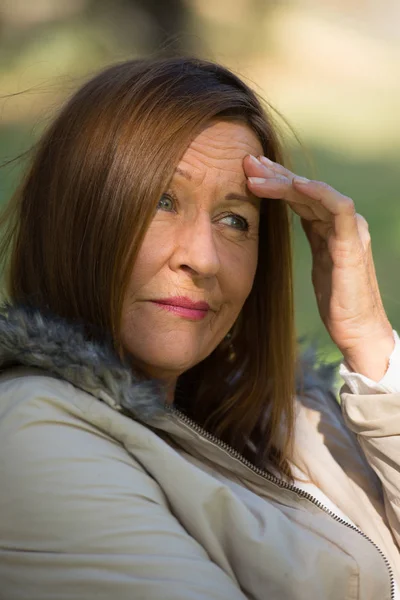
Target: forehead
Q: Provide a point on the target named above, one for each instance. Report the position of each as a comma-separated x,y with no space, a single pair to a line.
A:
221,146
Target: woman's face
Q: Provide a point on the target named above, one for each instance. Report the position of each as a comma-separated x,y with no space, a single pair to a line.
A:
201,247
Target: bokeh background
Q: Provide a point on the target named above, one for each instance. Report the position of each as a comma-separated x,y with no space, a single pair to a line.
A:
331,67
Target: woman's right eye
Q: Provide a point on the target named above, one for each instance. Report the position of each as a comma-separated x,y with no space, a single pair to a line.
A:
166,203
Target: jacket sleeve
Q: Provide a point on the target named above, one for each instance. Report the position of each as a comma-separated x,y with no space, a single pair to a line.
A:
375,419
80,518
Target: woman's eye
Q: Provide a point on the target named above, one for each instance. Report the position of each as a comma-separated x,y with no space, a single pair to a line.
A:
236,221
166,203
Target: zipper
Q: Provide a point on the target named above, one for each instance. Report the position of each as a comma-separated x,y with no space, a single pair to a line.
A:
279,482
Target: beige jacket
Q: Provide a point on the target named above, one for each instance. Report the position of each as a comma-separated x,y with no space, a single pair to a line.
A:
106,494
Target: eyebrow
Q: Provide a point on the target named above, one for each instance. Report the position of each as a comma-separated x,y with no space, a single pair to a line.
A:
184,174
231,196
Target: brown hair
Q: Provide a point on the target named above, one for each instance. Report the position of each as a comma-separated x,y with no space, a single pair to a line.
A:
76,223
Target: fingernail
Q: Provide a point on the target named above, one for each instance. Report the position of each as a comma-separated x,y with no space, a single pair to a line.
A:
254,160
265,160
256,180
301,180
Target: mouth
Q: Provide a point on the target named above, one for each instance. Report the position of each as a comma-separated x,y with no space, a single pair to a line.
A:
184,307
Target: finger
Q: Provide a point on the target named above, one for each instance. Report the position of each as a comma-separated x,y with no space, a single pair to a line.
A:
264,167
280,169
323,200
340,206
330,200
363,231
273,185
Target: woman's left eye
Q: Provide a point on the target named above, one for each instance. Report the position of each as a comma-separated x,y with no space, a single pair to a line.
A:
236,221
166,202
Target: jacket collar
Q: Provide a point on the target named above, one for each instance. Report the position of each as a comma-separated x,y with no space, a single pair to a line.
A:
33,338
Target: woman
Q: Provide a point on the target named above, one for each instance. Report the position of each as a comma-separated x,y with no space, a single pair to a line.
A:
151,442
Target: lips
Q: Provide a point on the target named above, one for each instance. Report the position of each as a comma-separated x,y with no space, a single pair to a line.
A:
184,307
183,302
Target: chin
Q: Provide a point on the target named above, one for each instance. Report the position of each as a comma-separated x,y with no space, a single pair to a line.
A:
171,353
167,367
170,370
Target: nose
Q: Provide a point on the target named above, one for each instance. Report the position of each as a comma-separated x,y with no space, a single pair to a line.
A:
196,250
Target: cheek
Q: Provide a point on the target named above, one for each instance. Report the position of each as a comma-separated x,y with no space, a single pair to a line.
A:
239,269
153,254
248,275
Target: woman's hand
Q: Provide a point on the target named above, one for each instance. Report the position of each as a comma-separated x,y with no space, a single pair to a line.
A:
343,272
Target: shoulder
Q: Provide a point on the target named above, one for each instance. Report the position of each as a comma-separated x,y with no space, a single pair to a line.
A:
30,396
56,460
55,435
20,385
35,397
69,489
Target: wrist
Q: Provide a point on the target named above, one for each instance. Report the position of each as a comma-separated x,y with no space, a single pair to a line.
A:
371,357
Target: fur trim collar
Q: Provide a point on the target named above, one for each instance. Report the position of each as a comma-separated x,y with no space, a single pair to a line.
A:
31,338
34,339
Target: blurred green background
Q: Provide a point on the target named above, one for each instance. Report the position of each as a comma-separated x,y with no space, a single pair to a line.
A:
331,67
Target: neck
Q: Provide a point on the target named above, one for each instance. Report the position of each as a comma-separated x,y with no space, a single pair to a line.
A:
169,380
170,386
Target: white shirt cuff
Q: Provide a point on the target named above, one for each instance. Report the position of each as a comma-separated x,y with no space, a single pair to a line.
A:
390,382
